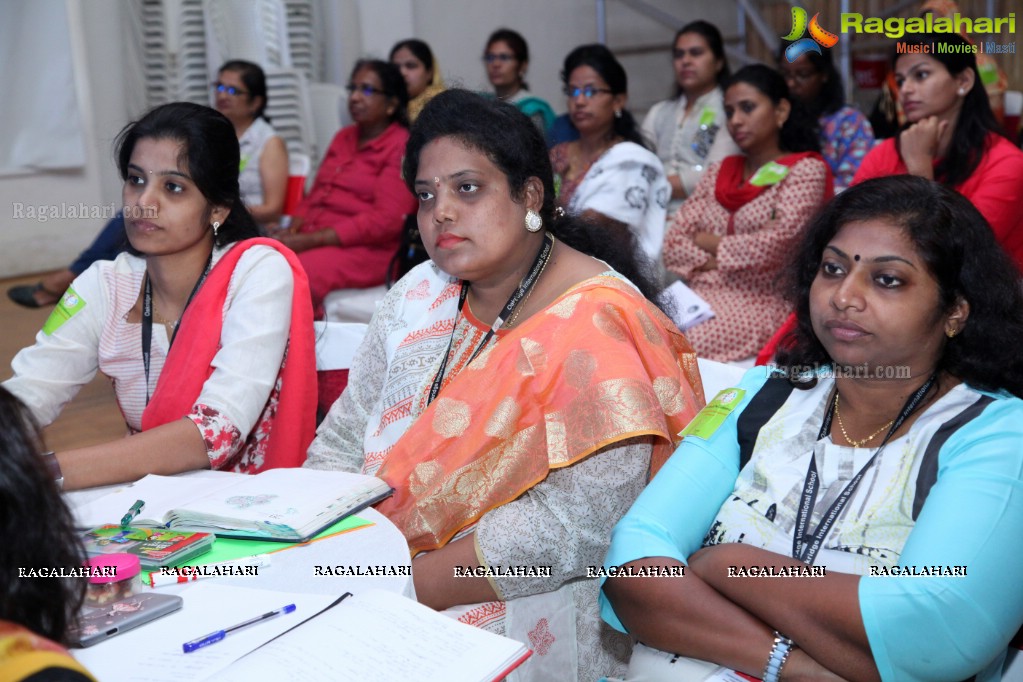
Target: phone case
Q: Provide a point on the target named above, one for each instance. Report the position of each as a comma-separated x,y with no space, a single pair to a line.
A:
100,623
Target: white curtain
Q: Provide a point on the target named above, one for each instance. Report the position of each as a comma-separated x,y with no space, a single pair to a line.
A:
40,127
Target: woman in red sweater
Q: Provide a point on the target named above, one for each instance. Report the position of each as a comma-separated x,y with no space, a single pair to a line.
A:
952,136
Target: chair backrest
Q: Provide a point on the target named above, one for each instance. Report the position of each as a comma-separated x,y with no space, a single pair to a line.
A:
718,376
336,343
329,112
298,171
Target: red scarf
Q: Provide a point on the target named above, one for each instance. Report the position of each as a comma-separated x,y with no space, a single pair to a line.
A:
732,192
190,361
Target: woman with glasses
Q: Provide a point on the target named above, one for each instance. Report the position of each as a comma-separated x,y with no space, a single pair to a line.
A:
689,132
846,134
608,173
421,72
733,236
348,227
506,59
240,94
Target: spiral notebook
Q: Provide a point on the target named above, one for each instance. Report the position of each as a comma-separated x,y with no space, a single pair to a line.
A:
289,505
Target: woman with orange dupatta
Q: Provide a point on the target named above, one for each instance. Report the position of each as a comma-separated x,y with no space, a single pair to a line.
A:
205,332
516,391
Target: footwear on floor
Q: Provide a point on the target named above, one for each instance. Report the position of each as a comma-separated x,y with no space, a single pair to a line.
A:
25,295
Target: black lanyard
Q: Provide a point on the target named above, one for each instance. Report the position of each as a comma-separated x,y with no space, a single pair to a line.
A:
525,285
804,546
147,318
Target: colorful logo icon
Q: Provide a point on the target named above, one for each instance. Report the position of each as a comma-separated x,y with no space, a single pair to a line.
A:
819,37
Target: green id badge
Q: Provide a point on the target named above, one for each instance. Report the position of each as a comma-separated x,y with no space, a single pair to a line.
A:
711,417
771,173
706,117
68,306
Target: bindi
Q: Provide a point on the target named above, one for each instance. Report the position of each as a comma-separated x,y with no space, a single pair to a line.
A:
856,257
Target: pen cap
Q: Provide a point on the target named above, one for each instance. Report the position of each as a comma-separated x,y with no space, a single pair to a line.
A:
111,577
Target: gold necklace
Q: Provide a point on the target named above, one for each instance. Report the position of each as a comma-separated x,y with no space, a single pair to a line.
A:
857,443
529,293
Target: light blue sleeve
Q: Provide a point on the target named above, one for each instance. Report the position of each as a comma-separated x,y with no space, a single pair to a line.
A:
672,515
946,628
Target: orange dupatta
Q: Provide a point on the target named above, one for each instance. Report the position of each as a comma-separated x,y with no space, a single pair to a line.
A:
598,366
190,361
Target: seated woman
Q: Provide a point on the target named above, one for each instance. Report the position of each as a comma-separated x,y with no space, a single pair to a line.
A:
689,132
421,73
347,229
607,172
240,94
732,237
36,530
845,133
192,326
952,136
507,60
515,391
898,455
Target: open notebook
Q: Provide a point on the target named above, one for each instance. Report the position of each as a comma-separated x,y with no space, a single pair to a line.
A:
379,635
290,505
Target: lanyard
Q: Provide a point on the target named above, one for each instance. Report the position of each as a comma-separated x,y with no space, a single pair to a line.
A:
147,319
524,287
804,546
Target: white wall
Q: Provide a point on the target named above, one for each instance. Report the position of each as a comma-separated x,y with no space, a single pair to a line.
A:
108,82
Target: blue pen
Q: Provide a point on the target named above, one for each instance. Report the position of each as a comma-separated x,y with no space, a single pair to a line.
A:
215,637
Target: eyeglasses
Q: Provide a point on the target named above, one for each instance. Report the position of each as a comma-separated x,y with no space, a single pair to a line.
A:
589,92
492,57
366,89
229,89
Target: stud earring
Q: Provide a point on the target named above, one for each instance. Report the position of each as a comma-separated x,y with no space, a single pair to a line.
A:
534,223
961,91
618,113
951,332
216,226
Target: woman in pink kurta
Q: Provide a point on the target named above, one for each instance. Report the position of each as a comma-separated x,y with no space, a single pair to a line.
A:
732,237
346,231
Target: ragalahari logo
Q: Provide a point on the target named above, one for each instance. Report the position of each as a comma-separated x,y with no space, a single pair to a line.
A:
818,36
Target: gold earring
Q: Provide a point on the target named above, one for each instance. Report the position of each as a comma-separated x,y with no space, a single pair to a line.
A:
951,332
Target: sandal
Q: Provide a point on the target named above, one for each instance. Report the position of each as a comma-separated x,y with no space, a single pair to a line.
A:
25,295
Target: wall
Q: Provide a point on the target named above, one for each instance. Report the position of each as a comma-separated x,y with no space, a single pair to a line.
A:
109,87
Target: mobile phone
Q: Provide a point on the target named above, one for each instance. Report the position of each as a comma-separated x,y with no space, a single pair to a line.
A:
99,623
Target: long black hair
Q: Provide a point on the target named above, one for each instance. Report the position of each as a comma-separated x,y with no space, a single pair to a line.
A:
976,120
799,132
254,79
210,146
960,252
37,531
419,50
602,60
513,143
710,33
831,97
393,83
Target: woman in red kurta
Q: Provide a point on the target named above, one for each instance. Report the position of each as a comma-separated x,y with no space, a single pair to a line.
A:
732,237
952,136
348,228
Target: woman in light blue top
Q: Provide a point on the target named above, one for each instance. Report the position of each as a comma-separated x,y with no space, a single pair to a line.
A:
889,444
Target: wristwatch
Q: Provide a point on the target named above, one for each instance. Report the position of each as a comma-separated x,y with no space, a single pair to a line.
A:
54,466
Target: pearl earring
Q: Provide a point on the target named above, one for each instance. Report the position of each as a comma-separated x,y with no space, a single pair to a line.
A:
534,223
962,91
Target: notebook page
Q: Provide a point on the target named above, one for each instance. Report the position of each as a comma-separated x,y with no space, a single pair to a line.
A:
152,652
286,497
379,635
160,493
